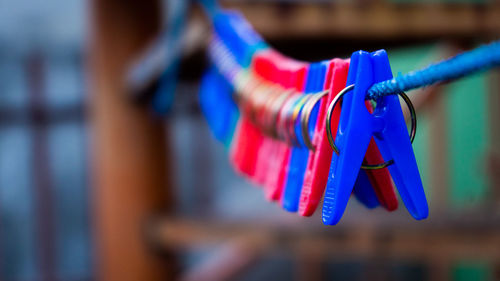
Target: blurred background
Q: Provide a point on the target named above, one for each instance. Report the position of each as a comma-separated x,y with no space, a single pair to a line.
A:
96,183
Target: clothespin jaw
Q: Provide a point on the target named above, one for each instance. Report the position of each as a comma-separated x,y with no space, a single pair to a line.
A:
380,179
382,188
364,191
356,128
394,143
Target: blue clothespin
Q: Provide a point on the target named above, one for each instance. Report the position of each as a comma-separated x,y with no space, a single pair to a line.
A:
363,191
218,106
357,126
237,35
298,159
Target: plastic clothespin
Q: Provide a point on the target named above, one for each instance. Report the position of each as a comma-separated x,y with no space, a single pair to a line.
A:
318,163
243,153
298,159
380,179
271,66
218,106
240,39
238,35
293,78
266,66
373,185
356,128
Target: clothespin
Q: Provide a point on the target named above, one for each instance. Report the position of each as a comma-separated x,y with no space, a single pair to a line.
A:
299,155
293,78
238,35
240,39
231,26
357,126
318,162
266,66
380,179
371,188
218,106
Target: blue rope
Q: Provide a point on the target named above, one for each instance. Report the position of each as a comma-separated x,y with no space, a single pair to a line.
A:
481,58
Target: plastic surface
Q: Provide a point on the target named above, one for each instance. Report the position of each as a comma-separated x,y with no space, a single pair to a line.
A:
299,155
318,162
380,179
356,128
294,77
268,66
382,190
266,161
240,39
364,191
238,35
217,105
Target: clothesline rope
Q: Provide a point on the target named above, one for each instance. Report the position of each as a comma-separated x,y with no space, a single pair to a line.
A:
481,58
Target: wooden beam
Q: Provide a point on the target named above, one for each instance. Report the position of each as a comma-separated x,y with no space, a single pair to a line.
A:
129,157
228,260
442,240
380,20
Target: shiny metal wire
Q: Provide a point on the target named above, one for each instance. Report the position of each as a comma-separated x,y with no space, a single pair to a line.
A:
306,115
265,112
245,91
274,110
284,117
257,99
296,110
329,134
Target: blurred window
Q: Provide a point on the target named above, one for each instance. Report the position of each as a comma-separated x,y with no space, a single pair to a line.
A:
44,218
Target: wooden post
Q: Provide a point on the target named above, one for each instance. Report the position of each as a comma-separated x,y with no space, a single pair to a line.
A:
129,149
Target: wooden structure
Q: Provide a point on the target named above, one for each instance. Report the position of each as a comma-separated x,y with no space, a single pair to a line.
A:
373,19
130,158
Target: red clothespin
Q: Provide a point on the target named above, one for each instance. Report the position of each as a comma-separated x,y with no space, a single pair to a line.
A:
293,78
247,139
264,65
318,164
242,154
381,178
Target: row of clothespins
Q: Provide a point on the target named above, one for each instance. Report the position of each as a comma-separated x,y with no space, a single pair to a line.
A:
275,114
